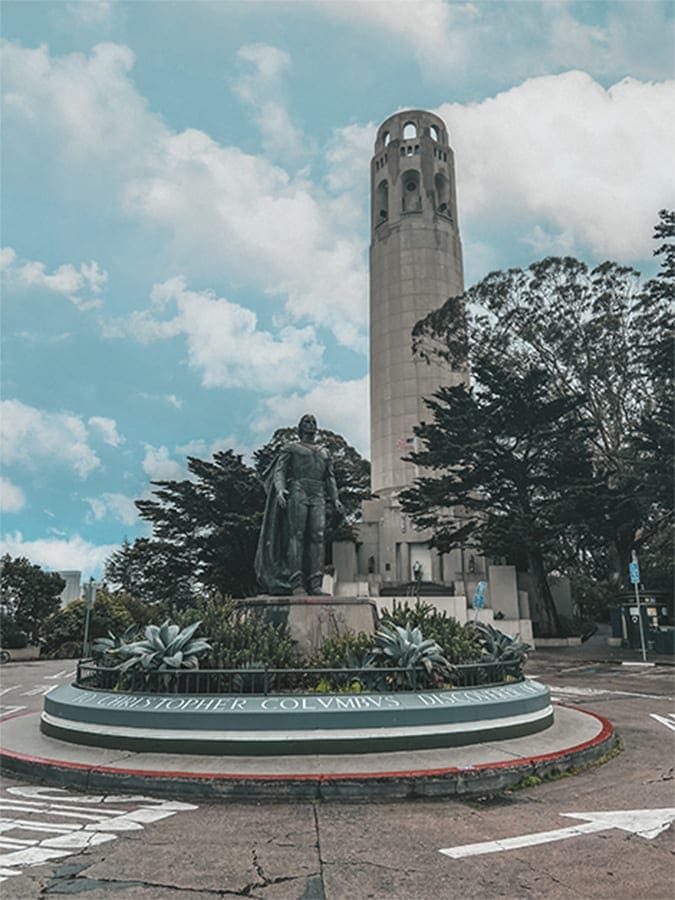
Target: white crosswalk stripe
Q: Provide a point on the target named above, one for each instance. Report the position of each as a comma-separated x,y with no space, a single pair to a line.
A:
51,823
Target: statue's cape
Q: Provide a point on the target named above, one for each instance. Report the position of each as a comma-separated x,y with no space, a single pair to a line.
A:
271,565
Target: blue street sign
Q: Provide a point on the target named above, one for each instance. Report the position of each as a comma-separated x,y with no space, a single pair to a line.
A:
479,595
634,570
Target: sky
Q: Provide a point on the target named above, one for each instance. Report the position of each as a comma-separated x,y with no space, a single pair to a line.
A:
185,214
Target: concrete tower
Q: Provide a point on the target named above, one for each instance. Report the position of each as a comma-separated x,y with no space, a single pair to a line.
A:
415,265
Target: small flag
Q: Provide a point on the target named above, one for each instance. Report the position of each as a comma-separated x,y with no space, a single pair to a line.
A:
407,443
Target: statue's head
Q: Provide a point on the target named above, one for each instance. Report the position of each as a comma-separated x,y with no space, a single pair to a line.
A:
307,427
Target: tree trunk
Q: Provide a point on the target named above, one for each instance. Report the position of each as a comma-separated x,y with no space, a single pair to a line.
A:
542,591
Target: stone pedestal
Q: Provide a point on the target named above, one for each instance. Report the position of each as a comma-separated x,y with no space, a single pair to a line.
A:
312,619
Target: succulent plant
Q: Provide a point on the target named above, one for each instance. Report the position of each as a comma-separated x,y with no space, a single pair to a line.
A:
406,648
103,649
502,648
165,646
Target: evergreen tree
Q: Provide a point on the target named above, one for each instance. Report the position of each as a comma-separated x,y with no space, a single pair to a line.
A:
27,594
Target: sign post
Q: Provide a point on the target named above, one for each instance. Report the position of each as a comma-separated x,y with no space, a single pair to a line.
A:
634,570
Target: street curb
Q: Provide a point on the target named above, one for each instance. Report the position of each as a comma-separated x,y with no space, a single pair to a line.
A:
393,785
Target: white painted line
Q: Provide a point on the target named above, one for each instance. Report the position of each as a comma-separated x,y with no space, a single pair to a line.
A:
647,664
12,687
98,823
327,734
43,689
647,823
597,692
6,711
62,674
668,722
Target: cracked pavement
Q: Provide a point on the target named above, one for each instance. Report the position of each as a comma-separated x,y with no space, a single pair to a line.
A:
385,850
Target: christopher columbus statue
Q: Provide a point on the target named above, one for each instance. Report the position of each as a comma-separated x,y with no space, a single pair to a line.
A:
299,482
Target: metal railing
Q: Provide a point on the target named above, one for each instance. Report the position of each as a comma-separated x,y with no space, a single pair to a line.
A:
265,681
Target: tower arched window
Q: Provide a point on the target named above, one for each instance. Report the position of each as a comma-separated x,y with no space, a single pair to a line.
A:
386,137
409,131
433,133
442,186
381,202
411,197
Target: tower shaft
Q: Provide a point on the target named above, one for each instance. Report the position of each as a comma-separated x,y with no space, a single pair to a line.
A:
415,265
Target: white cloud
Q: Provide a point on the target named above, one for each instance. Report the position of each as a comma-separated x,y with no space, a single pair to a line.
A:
82,286
106,429
260,88
561,154
12,498
168,399
158,465
223,340
118,506
60,554
235,214
91,13
517,40
340,406
33,437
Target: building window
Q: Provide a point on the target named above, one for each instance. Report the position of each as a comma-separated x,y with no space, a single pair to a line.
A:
411,201
409,131
433,133
386,137
442,186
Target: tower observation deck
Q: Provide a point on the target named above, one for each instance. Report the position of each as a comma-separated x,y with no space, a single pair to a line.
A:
415,265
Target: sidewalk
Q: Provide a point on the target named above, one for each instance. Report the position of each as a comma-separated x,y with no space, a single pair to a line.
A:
596,649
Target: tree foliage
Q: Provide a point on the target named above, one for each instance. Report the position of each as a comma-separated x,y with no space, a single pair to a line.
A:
599,343
27,594
206,527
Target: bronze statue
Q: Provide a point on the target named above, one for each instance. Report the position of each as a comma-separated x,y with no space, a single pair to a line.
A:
290,552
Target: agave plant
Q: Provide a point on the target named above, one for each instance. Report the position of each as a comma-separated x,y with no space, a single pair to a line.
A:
405,648
502,648
103,649
165,647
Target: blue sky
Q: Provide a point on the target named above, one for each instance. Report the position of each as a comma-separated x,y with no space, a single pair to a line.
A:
185,214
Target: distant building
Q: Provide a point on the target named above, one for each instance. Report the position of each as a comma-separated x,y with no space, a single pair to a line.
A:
73,589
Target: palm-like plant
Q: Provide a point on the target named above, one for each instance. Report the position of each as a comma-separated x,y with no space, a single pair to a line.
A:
406,648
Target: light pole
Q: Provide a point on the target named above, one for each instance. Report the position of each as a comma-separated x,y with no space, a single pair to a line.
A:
89,597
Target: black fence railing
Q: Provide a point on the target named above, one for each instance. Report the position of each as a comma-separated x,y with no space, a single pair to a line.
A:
271,681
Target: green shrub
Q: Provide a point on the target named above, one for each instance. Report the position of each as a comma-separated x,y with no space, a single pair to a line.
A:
502,648
459,643
66,626
239,636
342,651
11,636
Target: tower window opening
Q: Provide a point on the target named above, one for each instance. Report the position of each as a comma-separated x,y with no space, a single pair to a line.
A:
377,164
445,157
409,131
402,151
417,149
433,132
411,201
382,202
442,186
386,137
410,151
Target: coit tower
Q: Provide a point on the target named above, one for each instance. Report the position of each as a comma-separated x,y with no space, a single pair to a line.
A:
415,265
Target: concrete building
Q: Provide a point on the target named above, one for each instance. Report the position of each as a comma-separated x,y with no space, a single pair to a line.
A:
415,266
73,589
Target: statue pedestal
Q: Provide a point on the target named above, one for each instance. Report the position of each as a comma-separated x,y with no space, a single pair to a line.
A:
311,619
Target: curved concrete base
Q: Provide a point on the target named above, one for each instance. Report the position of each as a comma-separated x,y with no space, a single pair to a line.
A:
259,725
576,739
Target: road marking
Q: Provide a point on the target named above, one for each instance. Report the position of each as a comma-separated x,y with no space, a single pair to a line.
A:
93,820
647,823
6,711
669,721
41,689
12,687
596,692
64,673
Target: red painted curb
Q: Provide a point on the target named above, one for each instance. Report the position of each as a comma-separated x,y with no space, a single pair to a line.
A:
606,732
